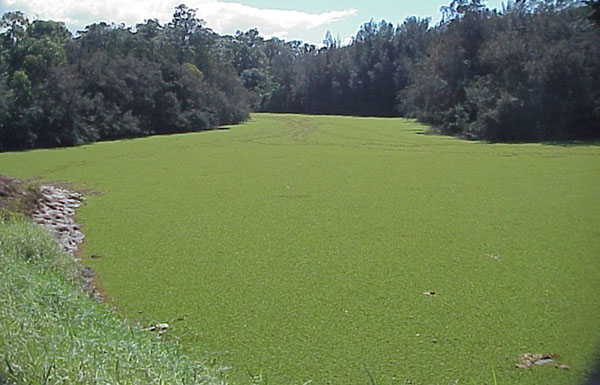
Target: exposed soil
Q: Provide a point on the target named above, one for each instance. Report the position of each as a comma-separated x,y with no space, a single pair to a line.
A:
54,208
18,196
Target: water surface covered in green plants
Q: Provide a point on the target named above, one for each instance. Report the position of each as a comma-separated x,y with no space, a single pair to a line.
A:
302,248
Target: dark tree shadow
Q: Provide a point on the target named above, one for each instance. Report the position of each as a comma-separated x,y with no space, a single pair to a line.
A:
573,143
595,377
470,137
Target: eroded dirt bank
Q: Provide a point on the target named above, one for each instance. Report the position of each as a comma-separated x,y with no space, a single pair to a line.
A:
54,208
56,211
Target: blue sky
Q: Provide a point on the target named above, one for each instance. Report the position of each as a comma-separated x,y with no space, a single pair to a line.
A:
306,20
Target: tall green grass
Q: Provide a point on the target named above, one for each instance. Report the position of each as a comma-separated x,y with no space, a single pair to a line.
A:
300,247
51,332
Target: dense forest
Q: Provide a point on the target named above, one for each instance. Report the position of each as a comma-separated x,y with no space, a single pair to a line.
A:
528,72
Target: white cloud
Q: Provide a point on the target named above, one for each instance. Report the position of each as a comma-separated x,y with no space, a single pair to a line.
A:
228,17
223,17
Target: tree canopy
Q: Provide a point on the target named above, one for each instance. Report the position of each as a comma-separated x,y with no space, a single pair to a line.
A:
528,72
112,82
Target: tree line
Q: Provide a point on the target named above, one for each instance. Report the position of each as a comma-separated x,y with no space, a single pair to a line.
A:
527,72
111,82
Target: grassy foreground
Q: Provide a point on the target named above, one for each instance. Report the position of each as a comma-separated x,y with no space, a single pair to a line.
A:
300,247
51,332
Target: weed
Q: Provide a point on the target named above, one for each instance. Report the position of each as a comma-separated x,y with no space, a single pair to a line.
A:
303,245
51,332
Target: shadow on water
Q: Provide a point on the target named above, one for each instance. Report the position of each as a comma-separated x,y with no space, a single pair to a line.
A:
573,143
594,378
471,137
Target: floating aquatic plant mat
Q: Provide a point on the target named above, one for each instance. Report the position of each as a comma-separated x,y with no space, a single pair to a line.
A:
333,249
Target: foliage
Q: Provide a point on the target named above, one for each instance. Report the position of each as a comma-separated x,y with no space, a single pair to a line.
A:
300,247
53,333
111,82
594,6
527,72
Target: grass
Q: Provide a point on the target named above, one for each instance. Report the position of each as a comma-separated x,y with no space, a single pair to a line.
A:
53,333
300,247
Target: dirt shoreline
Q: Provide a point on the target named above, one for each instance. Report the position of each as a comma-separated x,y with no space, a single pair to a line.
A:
53,207
55,210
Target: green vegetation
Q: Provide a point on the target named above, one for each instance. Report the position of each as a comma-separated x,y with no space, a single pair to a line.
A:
110,83
301,247
527,73
51,332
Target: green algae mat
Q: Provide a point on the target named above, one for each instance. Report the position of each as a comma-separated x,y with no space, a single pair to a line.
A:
344,250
